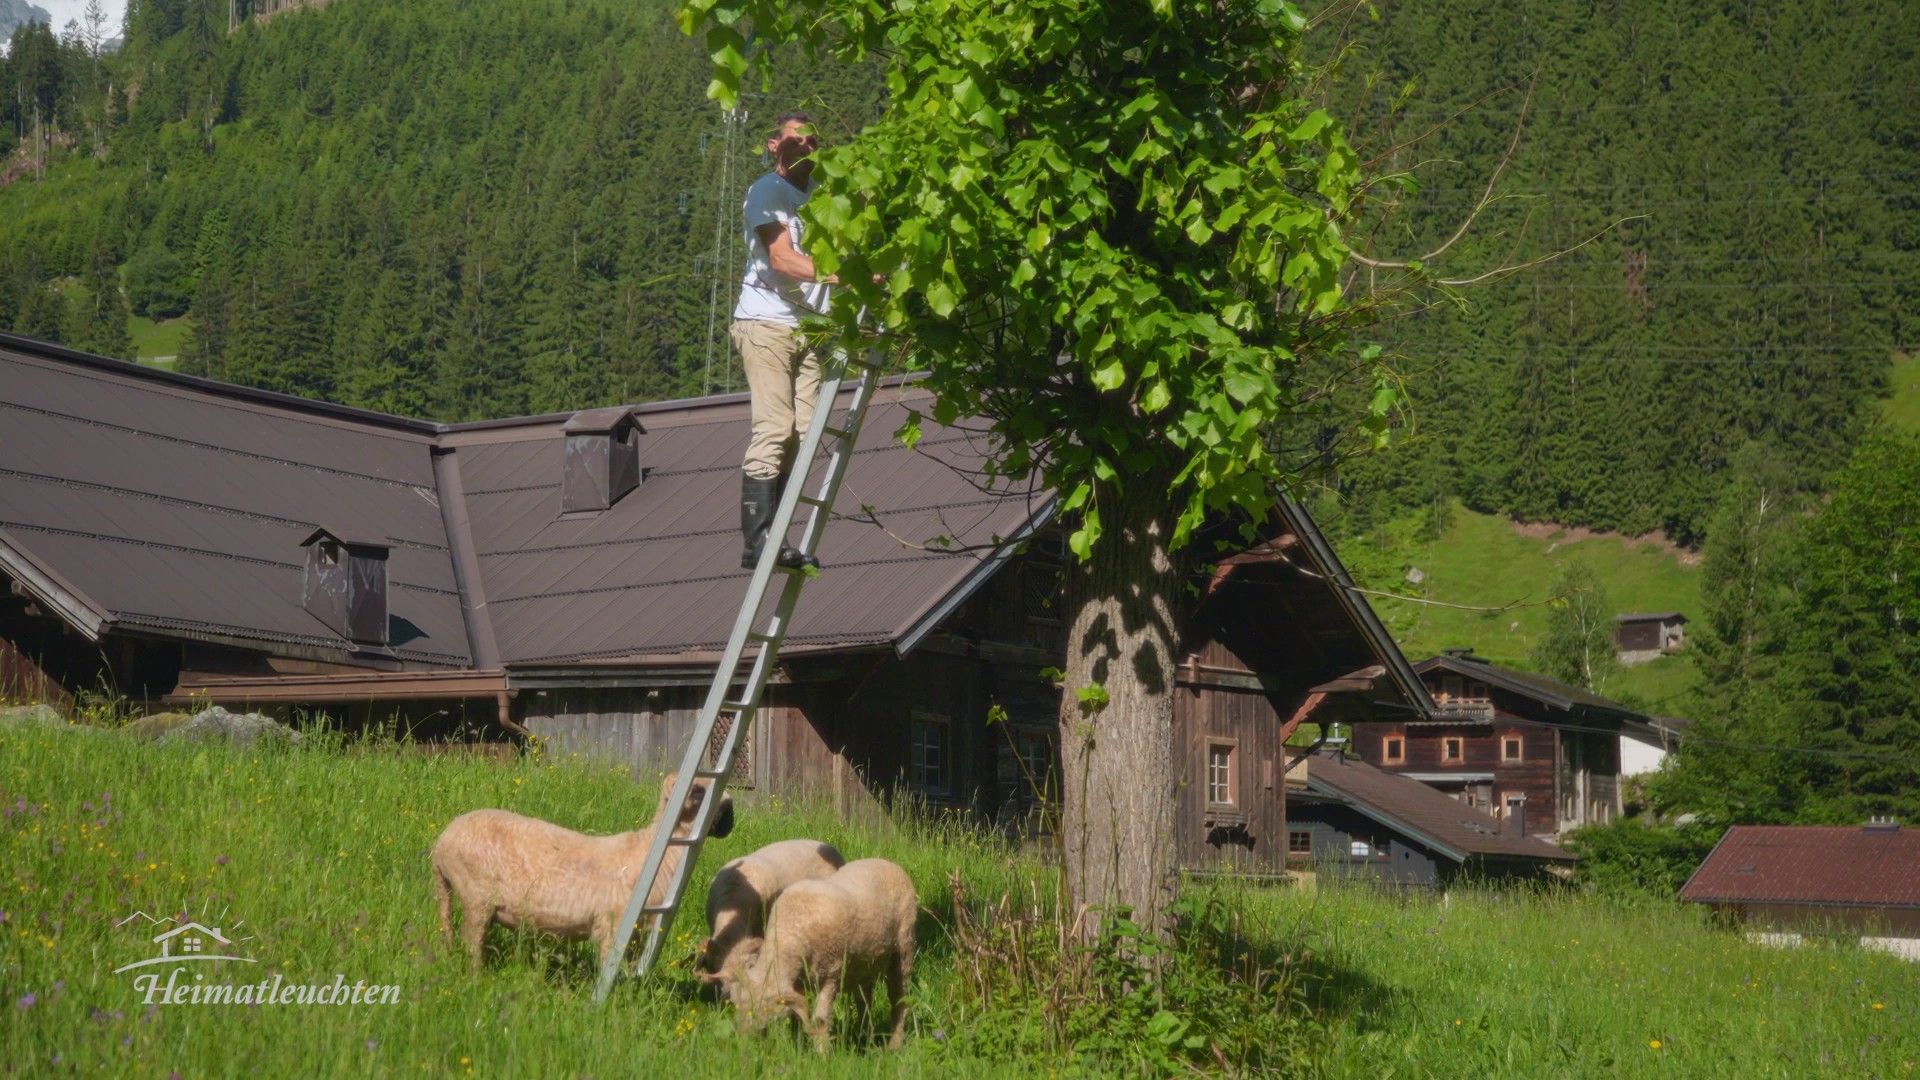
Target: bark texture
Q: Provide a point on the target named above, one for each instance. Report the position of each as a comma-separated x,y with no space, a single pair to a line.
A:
1119,783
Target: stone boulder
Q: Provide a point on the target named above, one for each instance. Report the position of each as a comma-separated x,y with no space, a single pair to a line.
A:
31,715
154,726
241,729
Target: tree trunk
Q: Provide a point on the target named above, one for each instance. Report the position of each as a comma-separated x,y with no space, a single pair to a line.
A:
1119,783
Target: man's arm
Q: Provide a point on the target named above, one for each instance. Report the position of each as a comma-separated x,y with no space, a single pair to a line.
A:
784,257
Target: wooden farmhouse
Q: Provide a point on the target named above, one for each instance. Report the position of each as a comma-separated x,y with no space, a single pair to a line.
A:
1787,883
1348,819
1542,756
573,577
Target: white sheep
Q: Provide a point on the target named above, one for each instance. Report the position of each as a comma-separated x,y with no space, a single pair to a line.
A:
521,871
828,934
742,892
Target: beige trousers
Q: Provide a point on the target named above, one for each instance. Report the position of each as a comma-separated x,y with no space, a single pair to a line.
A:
783,380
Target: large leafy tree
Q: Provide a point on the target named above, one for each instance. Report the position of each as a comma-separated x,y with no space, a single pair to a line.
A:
1116,231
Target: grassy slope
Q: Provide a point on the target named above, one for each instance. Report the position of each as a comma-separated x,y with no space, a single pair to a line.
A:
1903,408
1482,561
154,340
323,855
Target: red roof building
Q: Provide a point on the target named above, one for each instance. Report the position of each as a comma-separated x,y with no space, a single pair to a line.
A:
1849,880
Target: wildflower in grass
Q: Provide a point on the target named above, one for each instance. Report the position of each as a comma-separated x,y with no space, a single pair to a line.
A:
1653,1044
27,999
1877,1006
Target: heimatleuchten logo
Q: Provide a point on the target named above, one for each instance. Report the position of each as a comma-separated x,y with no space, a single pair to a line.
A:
192,954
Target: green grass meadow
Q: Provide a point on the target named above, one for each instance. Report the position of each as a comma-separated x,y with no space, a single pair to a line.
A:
1481,561
1902,409
158,343
314,860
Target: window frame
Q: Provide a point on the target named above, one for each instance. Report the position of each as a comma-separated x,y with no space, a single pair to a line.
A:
1232,748
1300,842
918,721
1359,849
1518,744
1457,744
1393,749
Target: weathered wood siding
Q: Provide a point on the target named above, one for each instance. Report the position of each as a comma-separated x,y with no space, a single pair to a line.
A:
1532,776
1391,859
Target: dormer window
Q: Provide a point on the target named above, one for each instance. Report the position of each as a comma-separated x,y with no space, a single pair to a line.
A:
345,586
602,458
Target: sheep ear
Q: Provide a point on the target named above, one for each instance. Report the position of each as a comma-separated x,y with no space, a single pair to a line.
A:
713,978
695,796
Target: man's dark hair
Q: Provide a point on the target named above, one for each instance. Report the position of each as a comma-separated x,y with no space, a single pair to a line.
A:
789,117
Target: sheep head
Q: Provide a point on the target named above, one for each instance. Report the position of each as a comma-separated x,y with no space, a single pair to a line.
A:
683,821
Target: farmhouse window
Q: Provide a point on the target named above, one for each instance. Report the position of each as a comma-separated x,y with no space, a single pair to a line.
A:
1394,750
1030,778
1453,749
1450,688
1510,748
1220,785
930,754
1299,842
1360,849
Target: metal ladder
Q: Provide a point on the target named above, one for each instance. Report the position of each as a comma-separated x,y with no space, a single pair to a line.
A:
740,710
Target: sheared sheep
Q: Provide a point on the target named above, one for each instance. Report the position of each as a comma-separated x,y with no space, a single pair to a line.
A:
827,934
517,870
743,891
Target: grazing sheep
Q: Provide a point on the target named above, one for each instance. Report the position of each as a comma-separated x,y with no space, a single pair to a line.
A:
521,871
826,934
744,889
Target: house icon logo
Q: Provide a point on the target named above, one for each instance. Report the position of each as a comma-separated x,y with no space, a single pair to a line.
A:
186,942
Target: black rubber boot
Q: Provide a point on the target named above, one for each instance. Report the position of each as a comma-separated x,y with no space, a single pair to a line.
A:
790,556
759,498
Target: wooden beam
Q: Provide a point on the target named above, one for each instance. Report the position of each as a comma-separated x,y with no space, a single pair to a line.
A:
358,686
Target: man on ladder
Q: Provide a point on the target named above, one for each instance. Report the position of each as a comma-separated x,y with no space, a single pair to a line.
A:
783,368
786,379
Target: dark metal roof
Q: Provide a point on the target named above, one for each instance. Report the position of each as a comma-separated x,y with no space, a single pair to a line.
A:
179,505
1547,691
1439,821
144,499
1842,866
659,572
1651,616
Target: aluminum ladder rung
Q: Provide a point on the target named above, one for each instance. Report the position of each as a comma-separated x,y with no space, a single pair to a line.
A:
740,710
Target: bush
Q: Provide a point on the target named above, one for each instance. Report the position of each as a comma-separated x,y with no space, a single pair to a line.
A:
1220,994
1628,857
158,285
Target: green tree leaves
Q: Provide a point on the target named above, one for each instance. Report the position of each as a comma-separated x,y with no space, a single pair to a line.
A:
1111,228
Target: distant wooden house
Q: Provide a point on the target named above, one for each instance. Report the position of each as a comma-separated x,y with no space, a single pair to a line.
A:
1347,819
1640,637
574,576
1784,883
1542,756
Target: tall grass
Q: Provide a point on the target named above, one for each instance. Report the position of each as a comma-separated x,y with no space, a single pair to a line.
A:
314,860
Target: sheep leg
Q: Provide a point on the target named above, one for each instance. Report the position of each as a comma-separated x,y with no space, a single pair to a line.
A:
443,892
473,931
821,1026
897,971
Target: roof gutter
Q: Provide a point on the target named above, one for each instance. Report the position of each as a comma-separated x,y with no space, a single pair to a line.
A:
48,587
